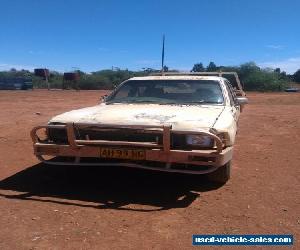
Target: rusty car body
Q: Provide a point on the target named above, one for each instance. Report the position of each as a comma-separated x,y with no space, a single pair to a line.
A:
170,129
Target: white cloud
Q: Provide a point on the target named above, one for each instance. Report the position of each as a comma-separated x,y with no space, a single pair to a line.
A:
7,66
290,65
276,47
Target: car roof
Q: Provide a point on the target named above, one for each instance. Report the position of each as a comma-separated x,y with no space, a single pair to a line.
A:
181,77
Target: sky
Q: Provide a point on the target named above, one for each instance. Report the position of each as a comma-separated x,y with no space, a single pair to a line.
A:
99,34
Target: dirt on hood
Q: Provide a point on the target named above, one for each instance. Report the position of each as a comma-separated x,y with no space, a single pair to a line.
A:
181,117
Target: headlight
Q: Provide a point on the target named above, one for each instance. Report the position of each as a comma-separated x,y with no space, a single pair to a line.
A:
199,140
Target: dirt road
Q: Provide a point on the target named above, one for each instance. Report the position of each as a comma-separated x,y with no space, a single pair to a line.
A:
61,207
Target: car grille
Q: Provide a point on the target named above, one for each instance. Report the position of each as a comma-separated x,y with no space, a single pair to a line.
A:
119,135
59,135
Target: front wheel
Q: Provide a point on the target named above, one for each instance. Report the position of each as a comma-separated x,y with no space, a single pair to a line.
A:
221,175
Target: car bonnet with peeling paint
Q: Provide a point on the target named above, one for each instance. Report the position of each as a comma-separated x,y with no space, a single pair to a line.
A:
169,123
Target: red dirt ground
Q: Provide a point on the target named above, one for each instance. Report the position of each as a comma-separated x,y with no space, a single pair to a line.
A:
61,207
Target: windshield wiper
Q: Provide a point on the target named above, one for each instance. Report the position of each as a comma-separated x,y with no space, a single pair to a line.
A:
131,101
201,102
137,101
111,102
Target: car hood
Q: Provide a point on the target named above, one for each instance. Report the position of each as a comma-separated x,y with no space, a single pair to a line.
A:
181,117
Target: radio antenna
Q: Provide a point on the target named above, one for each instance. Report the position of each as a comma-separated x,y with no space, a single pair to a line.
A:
163,55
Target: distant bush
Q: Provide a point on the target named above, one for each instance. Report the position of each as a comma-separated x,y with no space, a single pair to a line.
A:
255,78
105,79
264,81
296,76
252,77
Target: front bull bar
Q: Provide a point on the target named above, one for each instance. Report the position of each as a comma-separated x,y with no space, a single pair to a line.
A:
154,152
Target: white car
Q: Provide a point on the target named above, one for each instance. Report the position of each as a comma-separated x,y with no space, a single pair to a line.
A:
175,123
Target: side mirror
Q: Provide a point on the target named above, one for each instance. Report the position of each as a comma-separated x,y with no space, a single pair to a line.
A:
103,98
239,93
242,100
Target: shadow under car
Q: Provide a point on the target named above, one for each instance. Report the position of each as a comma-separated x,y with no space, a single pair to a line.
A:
106,187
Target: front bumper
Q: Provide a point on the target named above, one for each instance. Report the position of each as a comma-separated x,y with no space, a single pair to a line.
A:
167,159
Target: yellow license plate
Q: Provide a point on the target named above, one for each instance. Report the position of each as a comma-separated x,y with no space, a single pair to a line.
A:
130,154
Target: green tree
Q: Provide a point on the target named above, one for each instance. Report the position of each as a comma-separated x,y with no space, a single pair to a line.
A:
79,72
277,70
283,75
198,67
248,68
296,76
211,67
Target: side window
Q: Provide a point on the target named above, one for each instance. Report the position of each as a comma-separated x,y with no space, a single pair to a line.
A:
230,95
232,92
123,92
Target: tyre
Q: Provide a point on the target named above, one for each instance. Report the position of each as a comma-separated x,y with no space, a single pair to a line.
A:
221,175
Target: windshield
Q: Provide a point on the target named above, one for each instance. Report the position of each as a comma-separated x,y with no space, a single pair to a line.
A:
168,92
